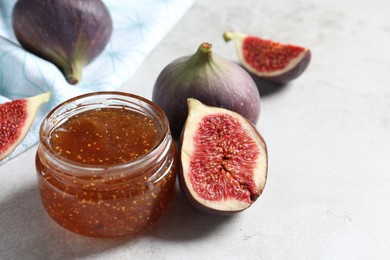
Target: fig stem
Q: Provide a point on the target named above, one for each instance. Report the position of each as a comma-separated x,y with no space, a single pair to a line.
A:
73,72
206,47
230,35
203,54
227,36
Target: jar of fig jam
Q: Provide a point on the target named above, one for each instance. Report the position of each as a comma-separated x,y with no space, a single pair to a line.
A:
106,164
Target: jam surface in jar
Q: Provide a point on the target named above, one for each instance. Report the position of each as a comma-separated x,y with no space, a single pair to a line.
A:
117,200
105,136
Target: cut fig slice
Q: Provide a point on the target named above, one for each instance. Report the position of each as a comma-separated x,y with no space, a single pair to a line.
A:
16,118
270,60
223,159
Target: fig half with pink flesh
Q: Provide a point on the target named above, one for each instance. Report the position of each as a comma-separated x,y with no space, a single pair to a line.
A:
270,60
16,118
223,159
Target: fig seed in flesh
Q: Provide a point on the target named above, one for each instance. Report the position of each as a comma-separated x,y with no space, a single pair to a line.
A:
223,160
16,118
270,60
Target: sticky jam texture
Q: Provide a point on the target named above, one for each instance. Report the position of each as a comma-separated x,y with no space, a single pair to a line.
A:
105,136
98,205
268,56
12,118
224,160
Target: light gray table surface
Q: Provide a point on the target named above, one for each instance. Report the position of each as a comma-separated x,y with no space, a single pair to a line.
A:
328,136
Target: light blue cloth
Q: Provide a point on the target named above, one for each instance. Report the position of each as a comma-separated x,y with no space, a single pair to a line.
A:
139,25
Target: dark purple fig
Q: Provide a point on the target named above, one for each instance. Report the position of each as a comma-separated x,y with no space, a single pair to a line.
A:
223,160
70,34
209,78
270,60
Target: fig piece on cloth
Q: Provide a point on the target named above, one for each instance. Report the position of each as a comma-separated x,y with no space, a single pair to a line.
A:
16,118
138,28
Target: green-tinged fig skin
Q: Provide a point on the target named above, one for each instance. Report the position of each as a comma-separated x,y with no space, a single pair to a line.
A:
203,208
69,34
292,74
210,79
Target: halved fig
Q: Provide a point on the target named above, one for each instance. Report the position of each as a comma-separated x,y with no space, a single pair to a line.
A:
16,118
223,159
270,60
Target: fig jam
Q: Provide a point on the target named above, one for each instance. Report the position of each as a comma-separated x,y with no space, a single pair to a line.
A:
106,164
105,136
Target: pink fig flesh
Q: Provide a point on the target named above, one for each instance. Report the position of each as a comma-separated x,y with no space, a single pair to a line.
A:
270,60
223,160
16,118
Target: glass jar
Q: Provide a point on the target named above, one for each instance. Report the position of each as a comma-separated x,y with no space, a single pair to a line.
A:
106,200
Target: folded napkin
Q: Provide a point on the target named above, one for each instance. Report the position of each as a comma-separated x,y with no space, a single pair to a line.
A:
139,25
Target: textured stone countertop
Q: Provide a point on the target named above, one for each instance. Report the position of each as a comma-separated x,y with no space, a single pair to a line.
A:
328,136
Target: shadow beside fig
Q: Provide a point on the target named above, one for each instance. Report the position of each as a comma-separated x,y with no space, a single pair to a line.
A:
183,222
27,232
265,87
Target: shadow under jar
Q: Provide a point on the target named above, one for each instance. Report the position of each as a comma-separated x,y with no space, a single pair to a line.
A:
106,164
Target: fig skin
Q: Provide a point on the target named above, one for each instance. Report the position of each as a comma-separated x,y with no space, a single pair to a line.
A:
294,69
16,118
209,78
292,74
198,110
70,34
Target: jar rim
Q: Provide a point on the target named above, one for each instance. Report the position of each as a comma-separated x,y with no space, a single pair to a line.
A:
143,103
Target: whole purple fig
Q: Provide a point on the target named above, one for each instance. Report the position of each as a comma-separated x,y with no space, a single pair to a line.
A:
70,34
208,78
